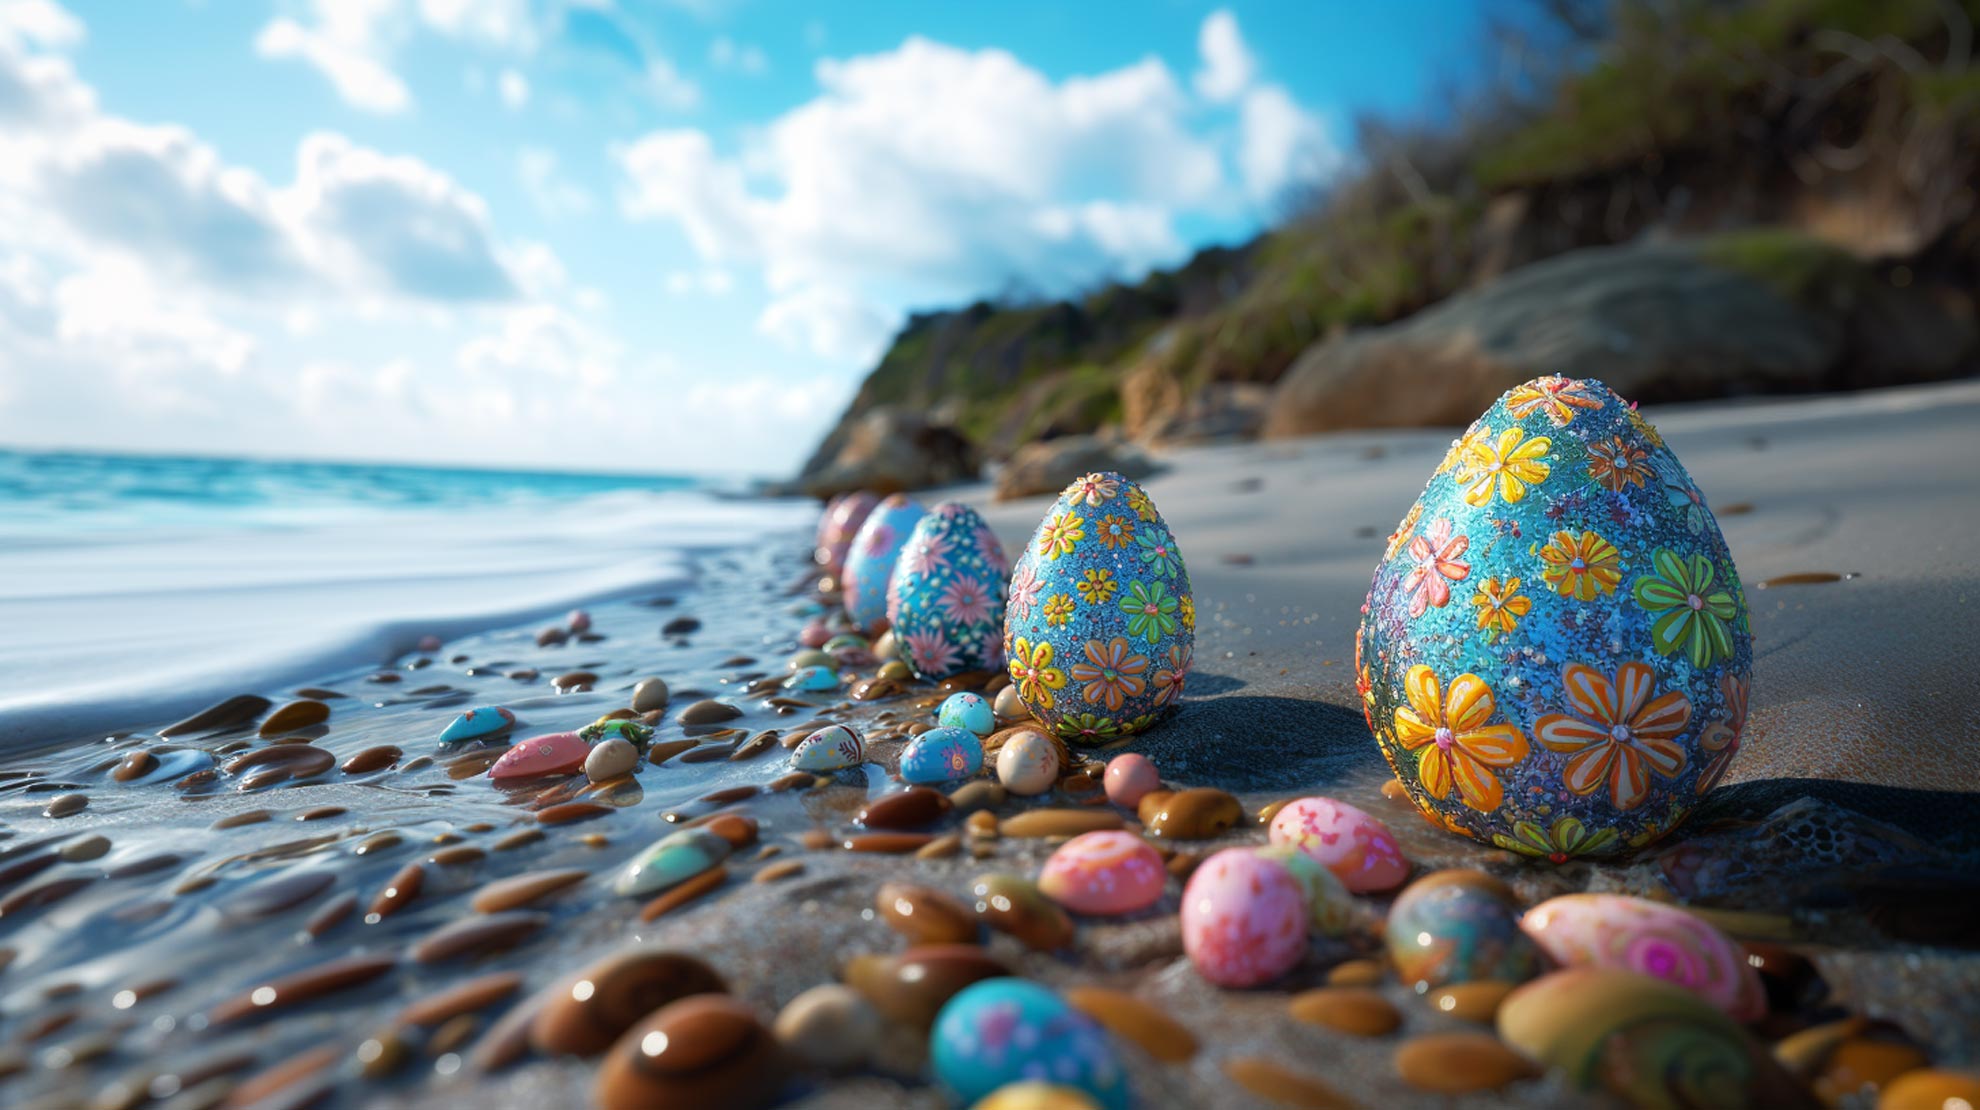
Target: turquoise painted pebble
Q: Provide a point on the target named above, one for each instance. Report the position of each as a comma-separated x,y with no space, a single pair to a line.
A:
942,755
1002,1031
632,732
970,711
832,748
476,723
674,858
816,678
946,602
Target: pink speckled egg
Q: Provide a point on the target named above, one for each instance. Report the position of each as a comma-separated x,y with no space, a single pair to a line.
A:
1104,874
557,753
1636,934
1243,919
1129,777
815,634
1357,848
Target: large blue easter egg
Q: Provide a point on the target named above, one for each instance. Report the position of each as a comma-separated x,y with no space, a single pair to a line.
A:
1001,1031
1554,656
1100,622
946,602
942,755
869,567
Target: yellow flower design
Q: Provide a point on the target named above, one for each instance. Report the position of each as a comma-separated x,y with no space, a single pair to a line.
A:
1060,535
1646,429
1097,586
1507,467
1454,745
1058,609
1139,502
1187,613
1581,566
1031,668
1500,605
1461,448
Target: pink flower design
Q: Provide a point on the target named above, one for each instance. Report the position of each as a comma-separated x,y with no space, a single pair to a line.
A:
992,551
932,652
1436,553
879,540
922,555
966,601
1024,589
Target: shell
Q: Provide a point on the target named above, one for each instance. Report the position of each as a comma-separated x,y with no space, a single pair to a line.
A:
1634,934
1455,927
967,710
942,755
1244,919
1101,621
1356,847
832,748
1105,873
1000,1031
869,567
1555,653
1028,764
946,599
482,720
556,753
839,525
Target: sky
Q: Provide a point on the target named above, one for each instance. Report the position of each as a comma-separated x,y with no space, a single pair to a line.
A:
600,234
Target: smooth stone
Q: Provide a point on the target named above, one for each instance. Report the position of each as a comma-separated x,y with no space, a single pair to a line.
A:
943,754
1931,1089
474,936
1477,1001
1636,934
887,843
478,993
680,626
134,766
1129,778
914,808
1058,822
1008,706
43,894
1198,813
584,1014
650,695
1460,1063
830,1027
575,680
296,1081
232,713
1355,1010
274,895
399,890
1279,1084
982,794
458,855
1359,850
476,723
321,813
832,748
1130,1018
911,987
246,817
1004,1030
609,759
177,764
1244,919
518,891
66,805
681,893
302,986
331,914
668,749
86,849
704,1051
1015,906
671,859
295,715
708,712
556,753
372,759
1455,926
1106,873
925,915
1028,764
285,761
893,670
738,830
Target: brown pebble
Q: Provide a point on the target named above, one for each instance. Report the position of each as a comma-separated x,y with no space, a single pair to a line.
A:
890,843
1277,1083
549,637
583,1015
286,1079
453,1033
457,856
570,812
295,760
372,759
518,839
378,842
789,782
708,712
914,808
1058,822
45,893
272,896
295,715
664,750
942,847
925,915
247,817
1862,1066
1460,1063
738,830
1151,804
507,1040
86,849
783,869
331,914
472,764
1474,1001
594,840
1271,809
475,936
1355,973
1356,1010
1014,905
755,745
232,713
1199,813
314,982
1931,1089
1130,1018
709,1050
525,889
66,805
684,892
321,813
649,695
135,766
980,794
574,680
912,986
982,823
1395,791
476,994
400,889
816,840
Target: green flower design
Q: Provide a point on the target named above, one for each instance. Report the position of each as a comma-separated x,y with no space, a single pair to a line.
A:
1148,606
1158,551
1567,839
1087,727
1695,615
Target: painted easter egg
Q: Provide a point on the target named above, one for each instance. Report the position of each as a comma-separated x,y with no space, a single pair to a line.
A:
558,753
1028,764
840,524
672,859
481,721
1457,927
942,755
832,748
1104,873
1356,847
814,634
1129,778
946,600
1101,621
1243,919
1000,1031
967,710
1554,655
1329,906
1635,934
813,678
869,569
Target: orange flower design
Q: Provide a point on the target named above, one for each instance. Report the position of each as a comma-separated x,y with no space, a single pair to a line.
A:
1111,674
1454,745
1619,733
1554,395
1581,566
1616,462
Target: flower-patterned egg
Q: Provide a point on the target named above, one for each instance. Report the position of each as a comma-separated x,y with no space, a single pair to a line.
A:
1104,873
1000,1031
946,600
1635,934
1554,655
832,748
1356,847
869,568
1329,906
967,710
1028,764
1101,621
1457,927
942,755
840,524
1244,919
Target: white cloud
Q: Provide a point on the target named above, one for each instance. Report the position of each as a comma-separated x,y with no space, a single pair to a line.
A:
749,60
669,87
828,320
543,339
514,88
1228,66
711,280
499,23
1282,146
347,43
554,195
40,22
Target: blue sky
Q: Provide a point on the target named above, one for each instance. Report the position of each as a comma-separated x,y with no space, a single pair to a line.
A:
588,233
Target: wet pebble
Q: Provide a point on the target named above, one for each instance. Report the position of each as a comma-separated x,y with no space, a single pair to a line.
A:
1356,1010
1133,1019
331,914
568,813
66,805
1015,906
709,1050
738,830
982,794
135,766
708,712
518,839
782,869
682,893
1279,1084
232,713
887,843
1931,1089
914,808
1027,764
649,695
399,890
296,715
665,750
672,859
474,936
526,889
372,759
478,993
925,915
1008,706
912,986
1474,1001
245,817
1129,778
1058,822
1460,1063
274,895
335,975
86,849
584,1014
1198,813
830,1027
574,680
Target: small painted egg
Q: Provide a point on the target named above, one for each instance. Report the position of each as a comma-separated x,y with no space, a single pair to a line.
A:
481,721
1036,1094
1356,847
1101,621
809,657
1330,908
1635,934
1244,919
946,601
1456,927
1000,1031
832,748
845,641
869,568
814,634
813,678
672,859
606,728
557,753
967,710
1105,874
942,755
1129,778
1008,706
1554,656
838,527
1028,764
577,620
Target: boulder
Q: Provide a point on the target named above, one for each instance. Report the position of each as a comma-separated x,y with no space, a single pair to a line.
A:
1048,466
888,450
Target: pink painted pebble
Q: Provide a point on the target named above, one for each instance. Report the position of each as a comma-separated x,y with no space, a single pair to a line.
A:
578,621
1357,848
1243,919
1104,873
815,634
554,754
1129,777
1636,934
429,642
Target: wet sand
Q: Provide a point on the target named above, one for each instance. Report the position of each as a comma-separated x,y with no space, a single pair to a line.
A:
1845,827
